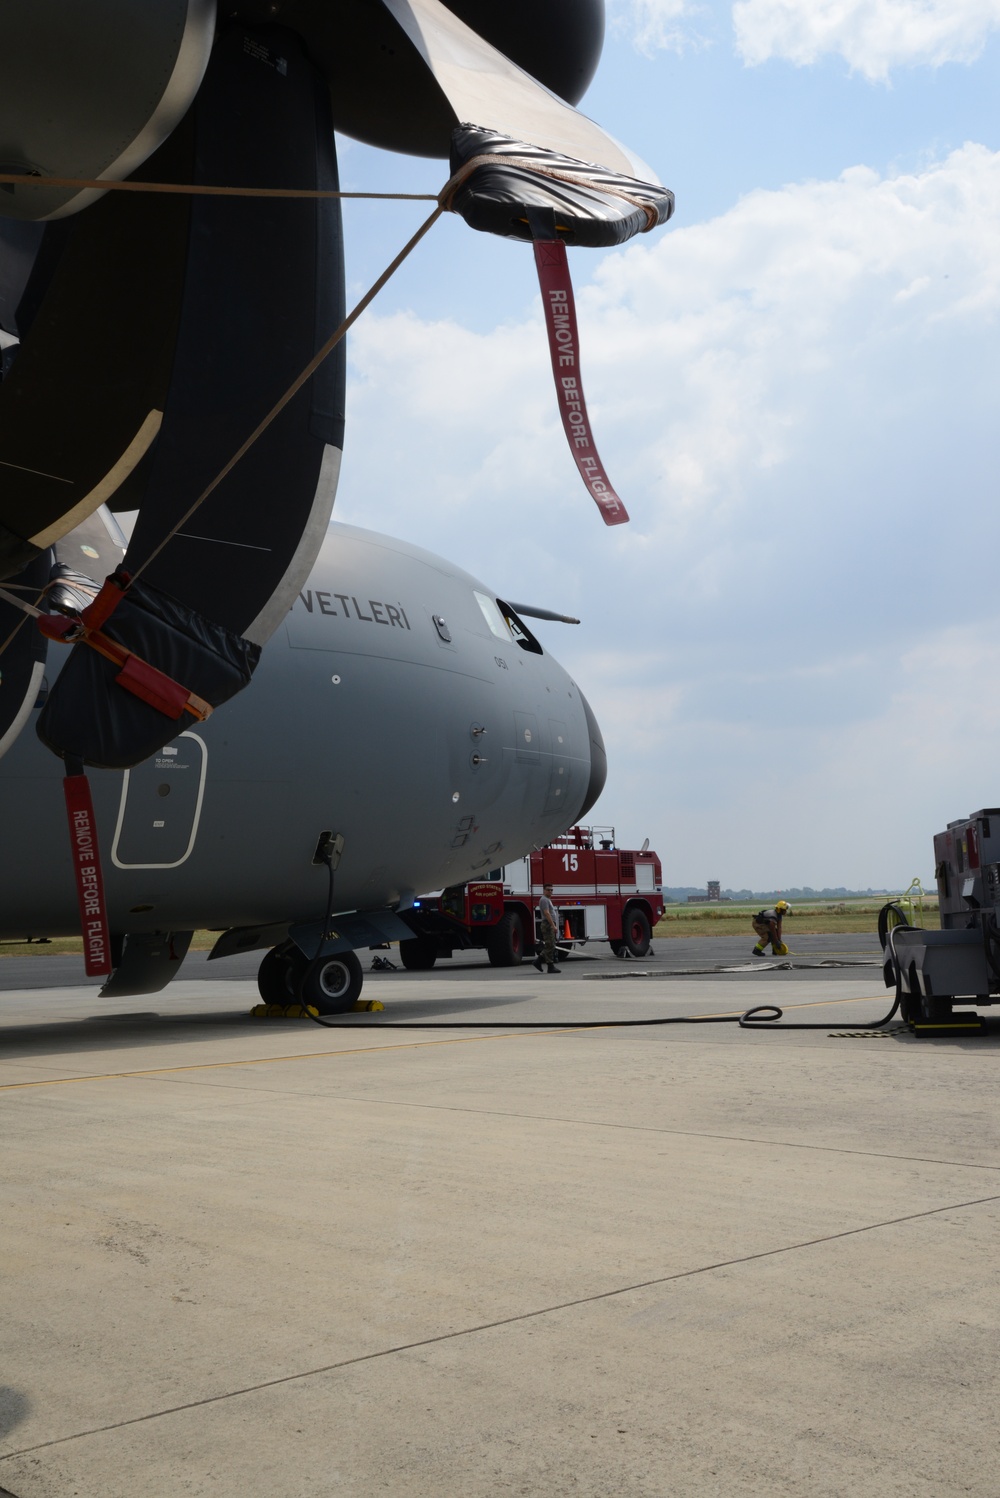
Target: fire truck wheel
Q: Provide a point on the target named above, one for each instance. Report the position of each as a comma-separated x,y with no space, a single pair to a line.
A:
279,974
505,947
635,931
419,955
332,985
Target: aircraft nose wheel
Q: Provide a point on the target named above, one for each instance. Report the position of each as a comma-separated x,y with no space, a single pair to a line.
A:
279,974
332,985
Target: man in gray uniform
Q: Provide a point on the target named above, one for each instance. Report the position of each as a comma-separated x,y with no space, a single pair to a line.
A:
549,929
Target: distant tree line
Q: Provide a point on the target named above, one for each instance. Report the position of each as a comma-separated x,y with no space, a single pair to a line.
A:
806,892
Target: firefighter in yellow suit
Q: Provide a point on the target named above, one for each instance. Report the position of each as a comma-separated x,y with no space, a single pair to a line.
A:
767,925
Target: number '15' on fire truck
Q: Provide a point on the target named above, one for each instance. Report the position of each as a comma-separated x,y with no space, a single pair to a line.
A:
601,892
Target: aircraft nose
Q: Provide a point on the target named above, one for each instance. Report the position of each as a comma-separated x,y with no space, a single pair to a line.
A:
598,760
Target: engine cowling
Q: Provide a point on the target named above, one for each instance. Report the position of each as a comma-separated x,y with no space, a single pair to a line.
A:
90,90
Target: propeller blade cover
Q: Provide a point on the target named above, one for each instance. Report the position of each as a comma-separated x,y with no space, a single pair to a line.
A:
592,205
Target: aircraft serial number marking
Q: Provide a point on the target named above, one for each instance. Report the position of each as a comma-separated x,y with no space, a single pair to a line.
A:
390,614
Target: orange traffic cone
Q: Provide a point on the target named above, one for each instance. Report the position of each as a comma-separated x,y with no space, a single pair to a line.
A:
567,933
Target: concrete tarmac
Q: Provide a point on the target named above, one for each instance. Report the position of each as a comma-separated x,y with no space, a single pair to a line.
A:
256,1257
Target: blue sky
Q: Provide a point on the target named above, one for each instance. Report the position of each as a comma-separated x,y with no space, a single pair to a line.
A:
793,649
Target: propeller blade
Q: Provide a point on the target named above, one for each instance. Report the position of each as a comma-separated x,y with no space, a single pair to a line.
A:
256,286
485,88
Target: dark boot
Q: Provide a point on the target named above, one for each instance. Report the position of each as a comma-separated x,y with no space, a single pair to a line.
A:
552,968
537,963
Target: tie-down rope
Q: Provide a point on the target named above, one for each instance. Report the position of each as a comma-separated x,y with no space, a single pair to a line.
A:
27,179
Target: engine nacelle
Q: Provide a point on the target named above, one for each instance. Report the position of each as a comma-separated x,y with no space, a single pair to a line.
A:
91,89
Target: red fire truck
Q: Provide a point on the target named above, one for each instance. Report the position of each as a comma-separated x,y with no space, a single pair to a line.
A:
602,893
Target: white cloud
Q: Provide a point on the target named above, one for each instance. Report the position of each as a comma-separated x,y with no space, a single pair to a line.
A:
768,802
797,401
662,25
873,36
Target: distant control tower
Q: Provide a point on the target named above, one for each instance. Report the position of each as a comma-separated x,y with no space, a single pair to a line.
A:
715,889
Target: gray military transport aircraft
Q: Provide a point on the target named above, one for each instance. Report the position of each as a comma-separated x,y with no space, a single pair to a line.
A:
405,731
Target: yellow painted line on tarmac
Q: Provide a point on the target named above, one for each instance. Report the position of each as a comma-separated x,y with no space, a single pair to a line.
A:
407,1045
155,1071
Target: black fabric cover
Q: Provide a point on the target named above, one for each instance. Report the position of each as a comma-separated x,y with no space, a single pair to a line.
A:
88,715
495,197
70,592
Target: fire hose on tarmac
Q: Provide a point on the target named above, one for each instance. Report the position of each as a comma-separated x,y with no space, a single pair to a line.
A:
760,1017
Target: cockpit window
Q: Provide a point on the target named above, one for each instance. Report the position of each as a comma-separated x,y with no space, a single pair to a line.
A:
522,634
493,617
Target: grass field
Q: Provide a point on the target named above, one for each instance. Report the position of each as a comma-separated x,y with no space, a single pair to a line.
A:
822,919
202,941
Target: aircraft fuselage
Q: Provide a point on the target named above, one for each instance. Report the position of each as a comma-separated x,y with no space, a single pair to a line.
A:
390,708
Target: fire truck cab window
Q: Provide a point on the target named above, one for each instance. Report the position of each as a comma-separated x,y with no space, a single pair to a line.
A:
493,617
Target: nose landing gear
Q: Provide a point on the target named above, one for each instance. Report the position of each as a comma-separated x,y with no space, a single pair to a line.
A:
330,985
